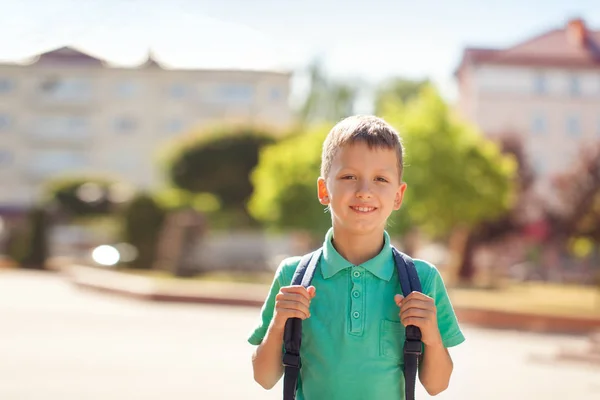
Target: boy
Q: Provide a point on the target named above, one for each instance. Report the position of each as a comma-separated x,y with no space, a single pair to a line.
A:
353,315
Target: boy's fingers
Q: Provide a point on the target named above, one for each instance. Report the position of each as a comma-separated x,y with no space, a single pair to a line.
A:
293,297
398,299
299,289
312,291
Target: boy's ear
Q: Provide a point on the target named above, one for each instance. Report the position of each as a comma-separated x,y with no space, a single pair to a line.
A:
399,196
322,191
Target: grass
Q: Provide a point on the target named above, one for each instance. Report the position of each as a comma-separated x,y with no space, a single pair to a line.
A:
535,298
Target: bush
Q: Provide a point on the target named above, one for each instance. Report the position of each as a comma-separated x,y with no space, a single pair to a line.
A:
218,163
29,246
142,222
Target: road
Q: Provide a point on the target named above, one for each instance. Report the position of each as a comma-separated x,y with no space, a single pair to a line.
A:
58,342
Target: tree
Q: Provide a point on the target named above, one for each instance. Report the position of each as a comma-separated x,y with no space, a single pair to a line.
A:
285,181
327,100
455,177
218,162
399,90
75,197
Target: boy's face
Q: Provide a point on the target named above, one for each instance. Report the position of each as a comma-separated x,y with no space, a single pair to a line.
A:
362,189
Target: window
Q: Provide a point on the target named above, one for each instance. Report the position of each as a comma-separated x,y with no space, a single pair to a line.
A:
62,127
574,85
178,91
50,162
573,126
125,124
127,89
6,85
65,89
174,125
6,158
540,84
276,94
5,122
538,124
235,93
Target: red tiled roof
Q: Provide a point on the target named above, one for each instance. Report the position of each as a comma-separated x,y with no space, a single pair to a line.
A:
67,55
556,48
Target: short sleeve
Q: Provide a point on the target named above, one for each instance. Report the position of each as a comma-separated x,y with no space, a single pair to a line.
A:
268,308
447,322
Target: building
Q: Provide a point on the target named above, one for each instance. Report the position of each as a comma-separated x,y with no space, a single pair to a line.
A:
546,89
66,111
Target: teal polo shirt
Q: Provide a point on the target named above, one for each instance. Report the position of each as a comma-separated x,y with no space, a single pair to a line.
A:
352,343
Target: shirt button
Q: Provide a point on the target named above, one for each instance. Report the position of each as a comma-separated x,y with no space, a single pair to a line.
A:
356,294
356,314
356,274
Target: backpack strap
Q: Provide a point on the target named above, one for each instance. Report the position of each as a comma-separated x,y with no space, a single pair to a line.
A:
292,337
413,347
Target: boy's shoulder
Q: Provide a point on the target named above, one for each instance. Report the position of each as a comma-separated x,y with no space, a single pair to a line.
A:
286,269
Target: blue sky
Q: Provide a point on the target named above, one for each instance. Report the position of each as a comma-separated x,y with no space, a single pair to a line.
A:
367,39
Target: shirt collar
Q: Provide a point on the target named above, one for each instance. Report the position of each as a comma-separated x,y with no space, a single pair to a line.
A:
382,265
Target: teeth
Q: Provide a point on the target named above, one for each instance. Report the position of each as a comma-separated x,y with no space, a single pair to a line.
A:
364,209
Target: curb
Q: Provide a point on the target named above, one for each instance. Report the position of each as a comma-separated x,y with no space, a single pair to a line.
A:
253,295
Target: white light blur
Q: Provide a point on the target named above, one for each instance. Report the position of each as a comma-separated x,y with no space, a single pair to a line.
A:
106,255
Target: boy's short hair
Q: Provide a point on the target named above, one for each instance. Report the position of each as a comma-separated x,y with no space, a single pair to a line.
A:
373,131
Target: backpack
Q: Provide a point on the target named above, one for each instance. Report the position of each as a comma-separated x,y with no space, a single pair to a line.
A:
409,280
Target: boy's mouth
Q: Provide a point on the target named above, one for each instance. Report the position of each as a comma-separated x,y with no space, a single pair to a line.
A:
363,209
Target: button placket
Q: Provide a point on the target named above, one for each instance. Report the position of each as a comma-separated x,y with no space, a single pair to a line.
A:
357,309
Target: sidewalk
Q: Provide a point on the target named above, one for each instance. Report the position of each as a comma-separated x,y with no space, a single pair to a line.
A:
253,295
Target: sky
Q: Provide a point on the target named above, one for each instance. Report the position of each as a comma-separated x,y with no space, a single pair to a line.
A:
357,40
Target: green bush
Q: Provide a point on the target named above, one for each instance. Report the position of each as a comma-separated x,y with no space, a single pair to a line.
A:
142,220
28,246
218,162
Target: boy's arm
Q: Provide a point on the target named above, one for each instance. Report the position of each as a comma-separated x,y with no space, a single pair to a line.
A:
419,309
290,302
266,360
436,368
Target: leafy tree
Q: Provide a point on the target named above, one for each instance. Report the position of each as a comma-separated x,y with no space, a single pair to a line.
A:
399,90
285,181
80,196
218,162
455,177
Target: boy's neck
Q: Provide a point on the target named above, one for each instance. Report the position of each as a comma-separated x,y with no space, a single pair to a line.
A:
357,249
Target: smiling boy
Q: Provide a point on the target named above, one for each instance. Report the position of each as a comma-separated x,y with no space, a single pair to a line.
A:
353,314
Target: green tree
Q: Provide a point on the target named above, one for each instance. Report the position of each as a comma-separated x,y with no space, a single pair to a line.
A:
327,100
82,196
455,177
399,90
285,181
218,162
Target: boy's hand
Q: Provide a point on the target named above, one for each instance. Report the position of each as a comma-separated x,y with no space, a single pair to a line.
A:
291,302
419,310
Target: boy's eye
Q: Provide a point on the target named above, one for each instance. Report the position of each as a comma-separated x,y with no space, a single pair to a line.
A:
348,177
381,179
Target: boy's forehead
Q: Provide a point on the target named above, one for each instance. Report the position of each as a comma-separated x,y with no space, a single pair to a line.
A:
361,152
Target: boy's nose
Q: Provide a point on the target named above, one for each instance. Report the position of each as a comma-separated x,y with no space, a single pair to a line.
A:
364,191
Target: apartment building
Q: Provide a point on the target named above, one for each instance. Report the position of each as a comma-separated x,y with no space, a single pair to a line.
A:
66,111
546,89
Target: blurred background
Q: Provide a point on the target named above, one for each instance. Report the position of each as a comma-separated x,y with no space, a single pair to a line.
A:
158,159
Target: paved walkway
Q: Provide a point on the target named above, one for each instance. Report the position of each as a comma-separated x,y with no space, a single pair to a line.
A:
57,342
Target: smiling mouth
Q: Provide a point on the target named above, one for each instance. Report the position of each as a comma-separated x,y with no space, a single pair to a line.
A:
363,210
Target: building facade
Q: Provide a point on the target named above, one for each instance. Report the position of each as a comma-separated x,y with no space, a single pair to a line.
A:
69,112
545,89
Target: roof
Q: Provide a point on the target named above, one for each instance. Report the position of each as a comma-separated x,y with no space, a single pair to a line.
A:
573,46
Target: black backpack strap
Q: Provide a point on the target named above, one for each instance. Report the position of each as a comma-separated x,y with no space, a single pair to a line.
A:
413,347
292,337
